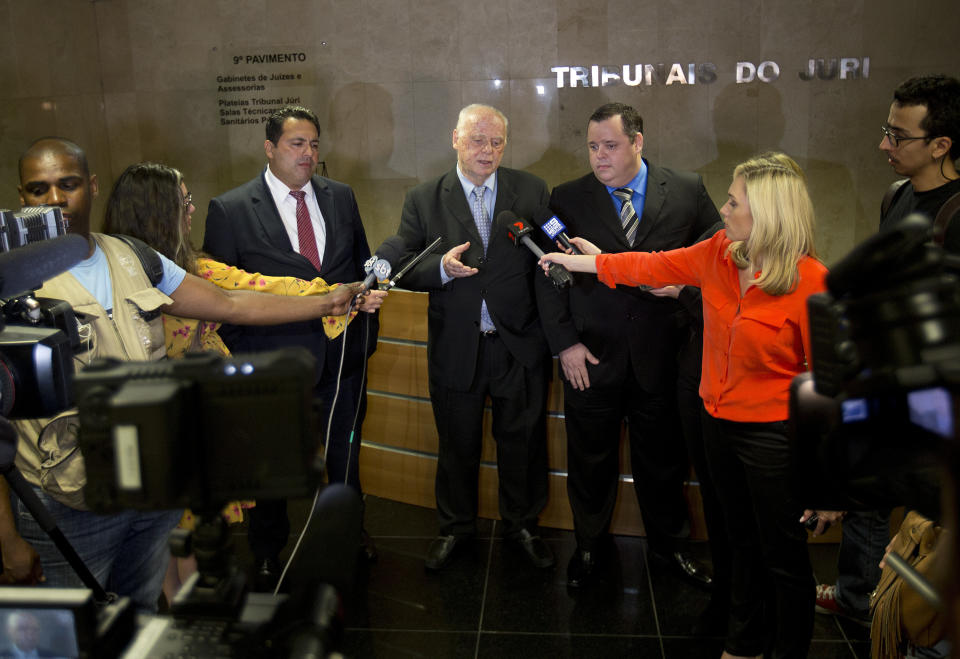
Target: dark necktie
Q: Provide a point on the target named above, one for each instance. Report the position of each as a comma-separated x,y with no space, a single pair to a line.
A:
308,241
628,215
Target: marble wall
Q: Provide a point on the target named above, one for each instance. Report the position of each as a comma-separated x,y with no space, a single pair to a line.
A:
135,80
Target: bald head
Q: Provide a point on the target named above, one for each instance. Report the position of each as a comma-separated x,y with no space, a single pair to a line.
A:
54,172
58,146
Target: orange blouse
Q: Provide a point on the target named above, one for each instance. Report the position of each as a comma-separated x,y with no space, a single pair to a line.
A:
753,345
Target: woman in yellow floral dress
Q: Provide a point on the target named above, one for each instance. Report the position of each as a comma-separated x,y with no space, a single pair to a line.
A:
151,202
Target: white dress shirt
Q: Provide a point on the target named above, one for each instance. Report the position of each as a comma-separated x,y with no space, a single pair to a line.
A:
287,205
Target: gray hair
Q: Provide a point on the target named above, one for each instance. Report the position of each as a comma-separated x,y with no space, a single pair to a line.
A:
479,108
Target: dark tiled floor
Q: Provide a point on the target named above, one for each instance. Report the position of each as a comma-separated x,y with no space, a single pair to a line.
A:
489,603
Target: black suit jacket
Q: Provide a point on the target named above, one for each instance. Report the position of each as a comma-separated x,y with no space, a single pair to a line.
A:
244,229
509,280
627,326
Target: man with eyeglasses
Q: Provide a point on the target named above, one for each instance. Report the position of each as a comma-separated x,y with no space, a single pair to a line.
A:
485,338
921,139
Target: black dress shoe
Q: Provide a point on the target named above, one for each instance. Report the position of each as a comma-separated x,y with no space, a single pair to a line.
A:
580,568
688,567
266,575
368,550
535,549
442,551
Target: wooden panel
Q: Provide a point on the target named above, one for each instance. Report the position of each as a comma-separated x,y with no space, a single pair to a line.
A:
398,476
404,423
407,423
404,316
399,368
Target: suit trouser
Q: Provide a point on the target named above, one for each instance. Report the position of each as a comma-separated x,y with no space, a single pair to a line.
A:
772,590
657,458
269,527
519,399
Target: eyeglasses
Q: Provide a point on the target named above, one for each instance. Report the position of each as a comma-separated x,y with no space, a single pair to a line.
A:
187,200
896,139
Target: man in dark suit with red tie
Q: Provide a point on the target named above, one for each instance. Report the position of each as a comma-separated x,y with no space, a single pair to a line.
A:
618,347
290,222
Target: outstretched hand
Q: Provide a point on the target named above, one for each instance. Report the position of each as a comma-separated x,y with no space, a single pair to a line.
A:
452,264
340,298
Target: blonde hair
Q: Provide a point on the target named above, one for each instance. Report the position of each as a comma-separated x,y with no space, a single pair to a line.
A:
783,221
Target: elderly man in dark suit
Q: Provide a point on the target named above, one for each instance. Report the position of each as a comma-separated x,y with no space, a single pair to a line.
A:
288,221
485,337
618,347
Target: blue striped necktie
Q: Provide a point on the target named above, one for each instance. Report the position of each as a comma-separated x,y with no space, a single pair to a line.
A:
628,214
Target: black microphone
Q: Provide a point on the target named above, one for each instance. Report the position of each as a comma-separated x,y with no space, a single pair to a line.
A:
25,268
415,260
519,231
380,265
322,576
328,553
553,227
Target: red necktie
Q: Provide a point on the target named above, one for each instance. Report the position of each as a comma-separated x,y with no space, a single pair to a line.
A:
308,241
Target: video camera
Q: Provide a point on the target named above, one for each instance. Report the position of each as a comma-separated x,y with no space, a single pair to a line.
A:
869,425
196,432
38,336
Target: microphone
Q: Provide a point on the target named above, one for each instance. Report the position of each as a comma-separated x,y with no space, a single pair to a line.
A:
415,260
323,576
519,232
26,268
376,270
380,265
553,227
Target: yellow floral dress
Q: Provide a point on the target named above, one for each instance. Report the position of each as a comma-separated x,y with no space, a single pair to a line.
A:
185,335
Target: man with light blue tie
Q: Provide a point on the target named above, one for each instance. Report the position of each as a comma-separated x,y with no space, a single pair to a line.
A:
618,347
485,337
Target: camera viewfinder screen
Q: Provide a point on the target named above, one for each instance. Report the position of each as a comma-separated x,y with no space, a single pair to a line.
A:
37,633
931,409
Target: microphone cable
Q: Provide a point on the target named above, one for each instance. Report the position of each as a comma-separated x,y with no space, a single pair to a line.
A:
326,440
